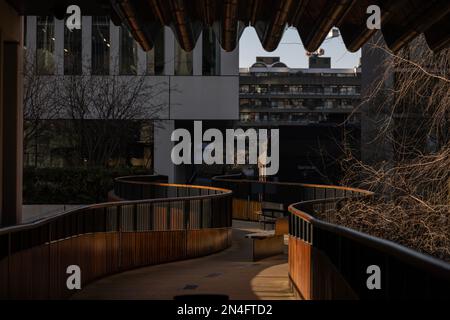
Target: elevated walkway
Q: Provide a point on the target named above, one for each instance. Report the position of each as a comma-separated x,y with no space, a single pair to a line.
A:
143,245
231,272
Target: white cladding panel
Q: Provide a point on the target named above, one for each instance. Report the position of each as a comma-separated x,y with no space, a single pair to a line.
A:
204,98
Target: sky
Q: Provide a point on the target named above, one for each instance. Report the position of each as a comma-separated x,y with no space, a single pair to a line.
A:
292,52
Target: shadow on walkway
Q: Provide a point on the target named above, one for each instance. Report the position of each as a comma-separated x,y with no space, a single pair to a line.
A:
231,272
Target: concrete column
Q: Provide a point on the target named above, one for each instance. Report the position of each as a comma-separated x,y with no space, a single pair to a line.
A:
141,61
229,62
2,218
169,52
11,115
59,46
198,57
162,146
31,35
12,133
163,149
114,49
86,44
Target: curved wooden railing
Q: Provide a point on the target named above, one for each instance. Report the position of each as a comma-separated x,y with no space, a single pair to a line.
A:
154,187
107,238
328,261
249,195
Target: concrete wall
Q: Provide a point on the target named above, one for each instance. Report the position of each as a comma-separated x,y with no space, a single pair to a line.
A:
181,98
203,98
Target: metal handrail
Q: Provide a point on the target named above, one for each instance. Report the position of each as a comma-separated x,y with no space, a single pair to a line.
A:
317,253
112,237
300,210
406,254
225,178
43,221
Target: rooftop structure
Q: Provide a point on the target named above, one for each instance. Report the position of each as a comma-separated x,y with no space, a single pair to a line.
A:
402,20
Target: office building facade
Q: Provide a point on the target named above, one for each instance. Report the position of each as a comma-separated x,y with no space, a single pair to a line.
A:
202,84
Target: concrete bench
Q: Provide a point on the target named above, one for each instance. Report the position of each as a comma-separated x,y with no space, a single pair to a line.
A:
266,244
269,213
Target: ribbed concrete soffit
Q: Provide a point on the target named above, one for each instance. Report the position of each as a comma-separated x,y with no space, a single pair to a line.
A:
402,20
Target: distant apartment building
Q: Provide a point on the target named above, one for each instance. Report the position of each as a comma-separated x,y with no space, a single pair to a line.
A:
316,109
199,85
272,93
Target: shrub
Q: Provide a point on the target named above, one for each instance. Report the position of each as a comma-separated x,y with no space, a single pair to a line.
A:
71,185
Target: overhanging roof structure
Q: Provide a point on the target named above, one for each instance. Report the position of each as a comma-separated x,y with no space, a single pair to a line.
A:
402,20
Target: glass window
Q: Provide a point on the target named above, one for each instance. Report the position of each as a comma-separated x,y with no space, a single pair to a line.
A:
348,90
211,54
246,117
127,53
244,88
155,57
72,51
329,104
45,45
100,46
261,89
297,103
346,104
183,61
331,89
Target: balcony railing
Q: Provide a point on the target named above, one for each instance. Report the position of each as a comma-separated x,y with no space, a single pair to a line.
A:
328,261
107,238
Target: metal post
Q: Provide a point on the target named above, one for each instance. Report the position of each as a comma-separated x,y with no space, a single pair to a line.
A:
168,222
135,217
186,211
119,229
201,214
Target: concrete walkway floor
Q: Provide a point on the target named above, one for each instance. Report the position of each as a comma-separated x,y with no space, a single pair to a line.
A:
231,273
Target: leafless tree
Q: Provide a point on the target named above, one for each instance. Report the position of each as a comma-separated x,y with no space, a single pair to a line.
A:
40,104
104,112
413,204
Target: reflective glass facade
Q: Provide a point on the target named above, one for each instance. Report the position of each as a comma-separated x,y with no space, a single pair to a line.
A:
72,51
155,57
183,61
210,54
127,53
101,45
45,45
